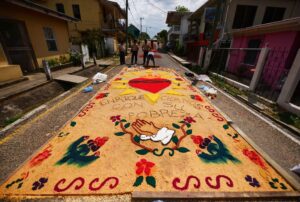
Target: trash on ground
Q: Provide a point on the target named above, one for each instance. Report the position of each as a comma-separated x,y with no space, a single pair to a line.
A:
211,93
204,77
88,89
188,74
99,78
296,169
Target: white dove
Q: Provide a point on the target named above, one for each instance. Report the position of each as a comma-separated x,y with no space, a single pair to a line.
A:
164,135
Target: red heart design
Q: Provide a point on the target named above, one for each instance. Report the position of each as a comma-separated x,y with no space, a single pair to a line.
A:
151,85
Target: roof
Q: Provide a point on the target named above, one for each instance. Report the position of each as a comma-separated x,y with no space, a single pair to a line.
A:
41,9
115,5
292,24
174,17
198,13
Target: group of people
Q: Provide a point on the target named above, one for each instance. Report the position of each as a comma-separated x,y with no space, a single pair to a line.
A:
148,53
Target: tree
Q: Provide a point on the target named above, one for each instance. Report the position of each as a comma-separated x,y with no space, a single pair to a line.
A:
144,35
162,36
181,9
94,38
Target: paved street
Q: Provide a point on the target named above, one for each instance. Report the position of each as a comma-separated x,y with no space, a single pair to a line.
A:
16,147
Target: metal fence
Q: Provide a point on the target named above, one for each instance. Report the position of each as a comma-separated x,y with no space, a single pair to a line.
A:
236,64
274,74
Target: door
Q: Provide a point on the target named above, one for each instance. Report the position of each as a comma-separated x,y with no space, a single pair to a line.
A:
16,44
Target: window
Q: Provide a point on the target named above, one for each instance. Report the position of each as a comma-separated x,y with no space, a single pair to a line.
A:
273,14
76,11
50,40
251,55
244,16
60,8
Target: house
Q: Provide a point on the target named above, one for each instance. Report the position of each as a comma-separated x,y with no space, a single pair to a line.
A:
178,23
234,14
30,33
96,17
133,31
282,38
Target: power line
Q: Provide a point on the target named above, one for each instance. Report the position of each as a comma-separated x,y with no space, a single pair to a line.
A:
134,6
135,22
153,5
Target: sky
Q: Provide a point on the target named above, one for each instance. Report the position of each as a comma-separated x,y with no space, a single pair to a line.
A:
154,12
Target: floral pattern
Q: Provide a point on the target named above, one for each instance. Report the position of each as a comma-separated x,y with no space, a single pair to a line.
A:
115,118
254,157
144,167
143,171
189,120
39,184
252,181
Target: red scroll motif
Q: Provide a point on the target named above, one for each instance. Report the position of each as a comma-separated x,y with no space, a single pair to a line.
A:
187,182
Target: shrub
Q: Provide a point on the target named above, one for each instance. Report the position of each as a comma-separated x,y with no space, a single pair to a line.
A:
75,58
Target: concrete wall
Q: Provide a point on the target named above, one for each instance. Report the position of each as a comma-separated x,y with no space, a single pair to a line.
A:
292,9
34,23
184,27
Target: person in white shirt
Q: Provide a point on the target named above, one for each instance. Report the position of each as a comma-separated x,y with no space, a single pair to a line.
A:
150,56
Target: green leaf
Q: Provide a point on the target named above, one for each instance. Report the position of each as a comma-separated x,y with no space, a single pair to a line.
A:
142,151
138,181
73,123
137,139
117,123
119,133
225,126
123,120
188,125
183,149
175,139
127,125
151,181
189,131
181,122
175,125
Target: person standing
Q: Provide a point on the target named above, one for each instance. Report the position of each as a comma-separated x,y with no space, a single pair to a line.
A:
122,53
134,52
146,49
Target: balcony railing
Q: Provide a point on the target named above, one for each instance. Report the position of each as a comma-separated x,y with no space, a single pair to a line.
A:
114,25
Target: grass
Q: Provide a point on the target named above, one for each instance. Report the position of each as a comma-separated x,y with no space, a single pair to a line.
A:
12,119
219,82
286,117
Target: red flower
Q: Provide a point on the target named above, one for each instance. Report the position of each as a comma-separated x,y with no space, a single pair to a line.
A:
100,141
198,98
197,139
189,119
115,118
144,166
101,95
254,157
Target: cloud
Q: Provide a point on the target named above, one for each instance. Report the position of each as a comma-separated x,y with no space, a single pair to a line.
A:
154,12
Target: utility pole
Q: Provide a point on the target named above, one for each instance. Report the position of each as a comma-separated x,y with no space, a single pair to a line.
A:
147,29
126,26
141,24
